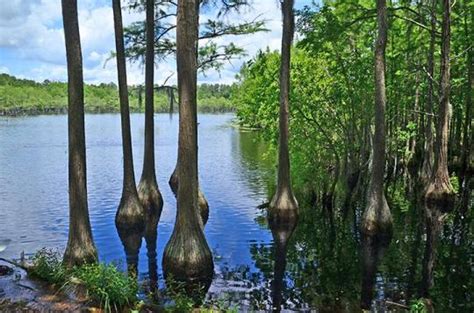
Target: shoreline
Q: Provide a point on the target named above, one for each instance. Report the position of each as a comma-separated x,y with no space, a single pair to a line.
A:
18,112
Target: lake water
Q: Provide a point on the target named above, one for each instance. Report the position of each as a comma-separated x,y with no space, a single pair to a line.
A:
324,268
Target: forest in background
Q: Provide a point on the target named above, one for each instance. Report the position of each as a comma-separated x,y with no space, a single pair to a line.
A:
332,95
23,97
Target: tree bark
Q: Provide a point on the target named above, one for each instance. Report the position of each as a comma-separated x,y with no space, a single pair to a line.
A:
439,192
284,205
80,247
203,205
130,213
428,158
465,173
187,257
377,218
148,191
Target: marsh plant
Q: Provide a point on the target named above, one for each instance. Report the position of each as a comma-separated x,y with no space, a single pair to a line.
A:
104,285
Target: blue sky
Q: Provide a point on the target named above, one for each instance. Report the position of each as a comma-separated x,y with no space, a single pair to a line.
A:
32,40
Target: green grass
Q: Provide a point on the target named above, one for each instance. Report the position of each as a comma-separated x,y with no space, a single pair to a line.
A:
104,285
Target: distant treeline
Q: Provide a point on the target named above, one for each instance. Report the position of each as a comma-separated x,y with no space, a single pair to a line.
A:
23,97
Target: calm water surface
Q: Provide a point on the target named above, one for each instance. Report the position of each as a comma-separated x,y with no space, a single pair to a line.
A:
324,268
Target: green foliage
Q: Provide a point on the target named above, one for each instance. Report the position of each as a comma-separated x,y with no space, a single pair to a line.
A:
47,265
418,306
103,283
106,285
19,96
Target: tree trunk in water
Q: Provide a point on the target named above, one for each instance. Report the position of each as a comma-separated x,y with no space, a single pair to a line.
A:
80,247
130,213
428,159
187,257
284,206
439,193
202,201
377,218
148,191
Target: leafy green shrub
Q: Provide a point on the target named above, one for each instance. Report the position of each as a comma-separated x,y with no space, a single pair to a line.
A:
47,265
418,306
106,285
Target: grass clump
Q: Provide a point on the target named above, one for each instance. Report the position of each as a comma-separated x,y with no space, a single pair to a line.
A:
103,284
106,285
47,265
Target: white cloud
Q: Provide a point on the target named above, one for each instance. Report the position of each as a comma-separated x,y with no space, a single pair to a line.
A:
31,30
4,70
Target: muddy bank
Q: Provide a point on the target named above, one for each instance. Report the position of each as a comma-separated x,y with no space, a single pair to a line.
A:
20,293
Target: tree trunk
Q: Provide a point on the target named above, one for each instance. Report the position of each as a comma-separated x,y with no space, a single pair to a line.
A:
202,201
465,173
284,205
377,218
80,247
148,191
439,192
187,257
428,158
130,213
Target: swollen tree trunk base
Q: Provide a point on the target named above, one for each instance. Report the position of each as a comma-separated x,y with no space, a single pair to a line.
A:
377,219
439,195
187,259
81,252
130,214
283,208
202,201
151,200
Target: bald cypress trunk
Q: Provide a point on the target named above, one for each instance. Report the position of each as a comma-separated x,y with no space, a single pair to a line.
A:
428,158
187,256
377,218
203,205
284,205
465,172
148,191
80,247
130,213
439,193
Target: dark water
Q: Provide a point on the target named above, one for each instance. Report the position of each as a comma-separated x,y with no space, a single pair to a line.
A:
327,264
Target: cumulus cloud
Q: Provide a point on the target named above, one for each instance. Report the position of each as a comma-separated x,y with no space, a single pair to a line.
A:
32,32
